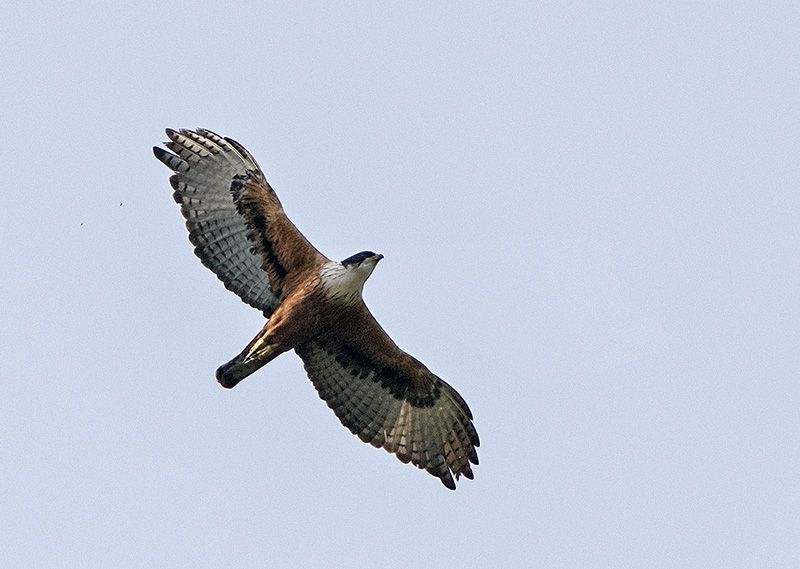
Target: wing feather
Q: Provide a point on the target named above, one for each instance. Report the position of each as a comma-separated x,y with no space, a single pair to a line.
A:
235,221
390,400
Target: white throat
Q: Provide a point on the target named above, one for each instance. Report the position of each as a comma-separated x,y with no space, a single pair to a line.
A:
342,284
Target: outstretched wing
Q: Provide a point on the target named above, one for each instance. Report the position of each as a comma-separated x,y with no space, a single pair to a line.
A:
234,218
389,399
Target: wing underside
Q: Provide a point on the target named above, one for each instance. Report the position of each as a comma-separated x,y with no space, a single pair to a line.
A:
384,403
235,221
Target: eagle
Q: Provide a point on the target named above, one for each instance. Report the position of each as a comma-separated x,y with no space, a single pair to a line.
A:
313,306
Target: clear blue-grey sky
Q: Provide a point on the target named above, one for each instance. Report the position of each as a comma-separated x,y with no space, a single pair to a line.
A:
590,220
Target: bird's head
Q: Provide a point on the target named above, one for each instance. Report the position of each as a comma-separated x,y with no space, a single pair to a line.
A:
362,263
343,282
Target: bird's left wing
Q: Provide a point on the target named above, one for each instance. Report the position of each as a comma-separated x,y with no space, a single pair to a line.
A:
234,218
391,400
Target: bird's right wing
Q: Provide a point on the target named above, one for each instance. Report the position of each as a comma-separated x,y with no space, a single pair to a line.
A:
234,218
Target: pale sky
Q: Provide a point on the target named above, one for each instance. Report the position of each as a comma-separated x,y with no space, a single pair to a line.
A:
589,215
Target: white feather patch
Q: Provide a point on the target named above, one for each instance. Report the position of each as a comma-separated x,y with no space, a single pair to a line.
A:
344,284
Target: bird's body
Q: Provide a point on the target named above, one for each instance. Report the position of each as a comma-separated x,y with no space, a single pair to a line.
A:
314,306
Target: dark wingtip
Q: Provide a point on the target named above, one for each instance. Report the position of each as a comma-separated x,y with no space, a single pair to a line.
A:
448,482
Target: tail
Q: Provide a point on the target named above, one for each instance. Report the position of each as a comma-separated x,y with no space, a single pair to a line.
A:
231,373
254,357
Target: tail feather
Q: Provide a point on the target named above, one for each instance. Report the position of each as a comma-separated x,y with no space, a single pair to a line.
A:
231,373
254,357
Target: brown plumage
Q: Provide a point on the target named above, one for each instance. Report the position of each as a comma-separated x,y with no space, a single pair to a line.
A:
314,306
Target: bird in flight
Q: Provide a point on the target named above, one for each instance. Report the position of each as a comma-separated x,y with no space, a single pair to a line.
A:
313,306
